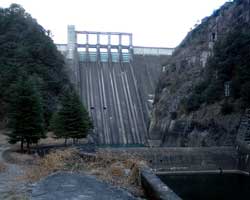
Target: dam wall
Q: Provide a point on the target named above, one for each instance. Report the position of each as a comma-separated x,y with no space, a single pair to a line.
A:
110,93
119,97
180,159
116,83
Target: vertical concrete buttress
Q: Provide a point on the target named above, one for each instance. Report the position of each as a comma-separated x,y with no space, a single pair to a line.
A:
98,56
72,57
120,48
109,48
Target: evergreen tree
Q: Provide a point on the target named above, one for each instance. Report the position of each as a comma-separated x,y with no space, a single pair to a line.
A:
71,120
26,120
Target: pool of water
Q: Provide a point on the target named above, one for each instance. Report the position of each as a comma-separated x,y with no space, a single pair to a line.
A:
200,186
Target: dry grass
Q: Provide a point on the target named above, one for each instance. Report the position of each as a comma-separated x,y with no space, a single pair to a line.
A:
13,195
50,139
3,167
120,171
18,158
57,160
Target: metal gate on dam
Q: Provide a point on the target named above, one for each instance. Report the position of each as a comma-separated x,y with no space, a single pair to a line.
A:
116,82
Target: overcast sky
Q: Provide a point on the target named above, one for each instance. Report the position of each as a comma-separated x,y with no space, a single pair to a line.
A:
162,23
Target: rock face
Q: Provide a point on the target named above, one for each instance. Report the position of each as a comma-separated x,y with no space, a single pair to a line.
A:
68,186
170,125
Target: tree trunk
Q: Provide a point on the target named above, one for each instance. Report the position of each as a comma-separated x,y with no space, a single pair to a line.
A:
22,145
65,142
28,145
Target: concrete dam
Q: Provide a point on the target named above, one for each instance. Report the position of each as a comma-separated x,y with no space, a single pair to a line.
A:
116,82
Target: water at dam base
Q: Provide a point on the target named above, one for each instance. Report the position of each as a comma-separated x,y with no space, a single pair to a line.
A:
215,186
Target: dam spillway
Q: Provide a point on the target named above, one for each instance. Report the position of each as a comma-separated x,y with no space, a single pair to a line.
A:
110,93
116,84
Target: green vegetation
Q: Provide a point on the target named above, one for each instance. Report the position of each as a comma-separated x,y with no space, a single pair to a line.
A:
71,120
26,120
229,64
26,47
32,78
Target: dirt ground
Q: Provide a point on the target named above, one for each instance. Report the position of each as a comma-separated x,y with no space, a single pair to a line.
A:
11,187
19,171
14,166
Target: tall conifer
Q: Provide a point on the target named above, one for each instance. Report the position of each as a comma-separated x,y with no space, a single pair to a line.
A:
26,120
71,120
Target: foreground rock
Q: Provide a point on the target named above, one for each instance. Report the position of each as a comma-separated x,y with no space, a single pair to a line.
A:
64,185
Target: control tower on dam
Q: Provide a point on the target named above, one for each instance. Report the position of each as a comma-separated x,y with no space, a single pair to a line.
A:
116,82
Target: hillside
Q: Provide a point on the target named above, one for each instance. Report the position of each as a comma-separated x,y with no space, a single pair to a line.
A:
205,88
26,49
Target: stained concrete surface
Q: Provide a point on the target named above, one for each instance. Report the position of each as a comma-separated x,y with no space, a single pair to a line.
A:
73,186
117,97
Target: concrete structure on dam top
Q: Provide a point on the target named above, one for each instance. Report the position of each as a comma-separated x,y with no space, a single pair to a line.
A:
116,83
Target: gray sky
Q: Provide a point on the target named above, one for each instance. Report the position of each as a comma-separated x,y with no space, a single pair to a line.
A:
162,23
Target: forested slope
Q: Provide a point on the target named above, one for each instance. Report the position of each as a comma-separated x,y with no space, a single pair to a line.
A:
26,49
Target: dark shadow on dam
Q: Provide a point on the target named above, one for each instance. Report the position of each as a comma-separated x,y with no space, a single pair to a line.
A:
202,186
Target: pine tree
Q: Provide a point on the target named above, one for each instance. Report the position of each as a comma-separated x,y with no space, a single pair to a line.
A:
26,120
71,120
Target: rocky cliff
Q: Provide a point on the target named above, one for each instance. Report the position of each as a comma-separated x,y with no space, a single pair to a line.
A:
211,123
